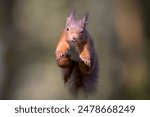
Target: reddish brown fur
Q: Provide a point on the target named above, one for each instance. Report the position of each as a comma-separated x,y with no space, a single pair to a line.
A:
81,72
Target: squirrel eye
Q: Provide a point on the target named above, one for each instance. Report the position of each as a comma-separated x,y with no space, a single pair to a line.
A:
68,29
82,31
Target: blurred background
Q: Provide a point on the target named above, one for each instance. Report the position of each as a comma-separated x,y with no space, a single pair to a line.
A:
29,32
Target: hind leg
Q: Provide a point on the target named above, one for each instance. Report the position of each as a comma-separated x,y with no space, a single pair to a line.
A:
83,67
66,74
64,61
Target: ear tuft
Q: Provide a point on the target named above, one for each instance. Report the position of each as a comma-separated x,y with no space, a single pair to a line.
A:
73,13
84,20
71,17
86,17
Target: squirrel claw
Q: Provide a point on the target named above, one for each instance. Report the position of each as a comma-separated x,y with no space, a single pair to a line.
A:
60,55
86,61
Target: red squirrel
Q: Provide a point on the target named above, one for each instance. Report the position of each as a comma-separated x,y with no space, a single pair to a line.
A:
76,55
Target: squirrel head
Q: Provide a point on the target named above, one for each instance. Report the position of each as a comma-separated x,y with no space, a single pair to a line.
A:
75,29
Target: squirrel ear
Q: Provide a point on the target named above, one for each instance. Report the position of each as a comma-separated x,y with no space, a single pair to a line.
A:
86,17
71,17
84,20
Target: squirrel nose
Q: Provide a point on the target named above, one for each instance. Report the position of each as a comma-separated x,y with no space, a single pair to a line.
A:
74,39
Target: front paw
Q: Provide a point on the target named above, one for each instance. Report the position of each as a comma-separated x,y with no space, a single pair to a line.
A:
60,55
86,60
